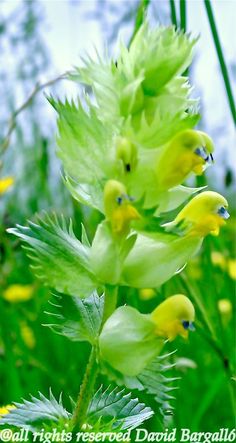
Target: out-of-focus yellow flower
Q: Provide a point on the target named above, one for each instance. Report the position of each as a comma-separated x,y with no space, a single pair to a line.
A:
117,206
232,268
18,293
27,335
5,184
147,293
175,316
193,269
225,308
6,409
218,259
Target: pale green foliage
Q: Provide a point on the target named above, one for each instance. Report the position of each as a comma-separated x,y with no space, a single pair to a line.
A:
118,406
76,319
59,259
38,412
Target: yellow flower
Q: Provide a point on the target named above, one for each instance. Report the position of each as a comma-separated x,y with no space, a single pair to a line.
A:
27,335
174,317
147,293
18,293
193,269
203,215
5,183
117,206
6,409
218,259
189,151
232,268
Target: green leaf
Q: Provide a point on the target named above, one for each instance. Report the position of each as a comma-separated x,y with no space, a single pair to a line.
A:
38,412
118,405
155,382
83,141
76,319
153,379
59,259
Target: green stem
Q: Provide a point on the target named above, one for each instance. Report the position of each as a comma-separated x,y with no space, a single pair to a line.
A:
110,302
221,58
183,24
86,392
173,13
140,17
90,376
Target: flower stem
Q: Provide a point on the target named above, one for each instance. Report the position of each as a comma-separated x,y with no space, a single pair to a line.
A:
90,376
86,392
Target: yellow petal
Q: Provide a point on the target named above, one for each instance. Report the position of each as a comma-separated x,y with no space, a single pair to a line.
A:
6,409
147,293
18,293
218,259
27,335
232,268
5,184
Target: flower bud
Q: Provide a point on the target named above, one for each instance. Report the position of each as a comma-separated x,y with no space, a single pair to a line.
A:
127,152
118,210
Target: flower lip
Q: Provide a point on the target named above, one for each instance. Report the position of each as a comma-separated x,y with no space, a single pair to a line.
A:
188,325
203,153
223,213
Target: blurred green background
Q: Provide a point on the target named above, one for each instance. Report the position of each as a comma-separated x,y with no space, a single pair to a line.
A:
38,45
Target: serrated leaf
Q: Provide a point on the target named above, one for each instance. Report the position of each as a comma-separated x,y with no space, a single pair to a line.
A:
58,258
152,379
37,412
116,404
76,319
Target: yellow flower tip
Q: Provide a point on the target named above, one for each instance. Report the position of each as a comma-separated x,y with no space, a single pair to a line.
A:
18,293
189,151
174,316
6,409
204,214
5,184
118,209
218,259
147,293
126,151
232,268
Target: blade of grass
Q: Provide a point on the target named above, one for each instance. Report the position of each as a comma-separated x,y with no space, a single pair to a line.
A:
140,17
220,55
183,17
173,13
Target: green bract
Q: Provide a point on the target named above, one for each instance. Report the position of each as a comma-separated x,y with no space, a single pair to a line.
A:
128,341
